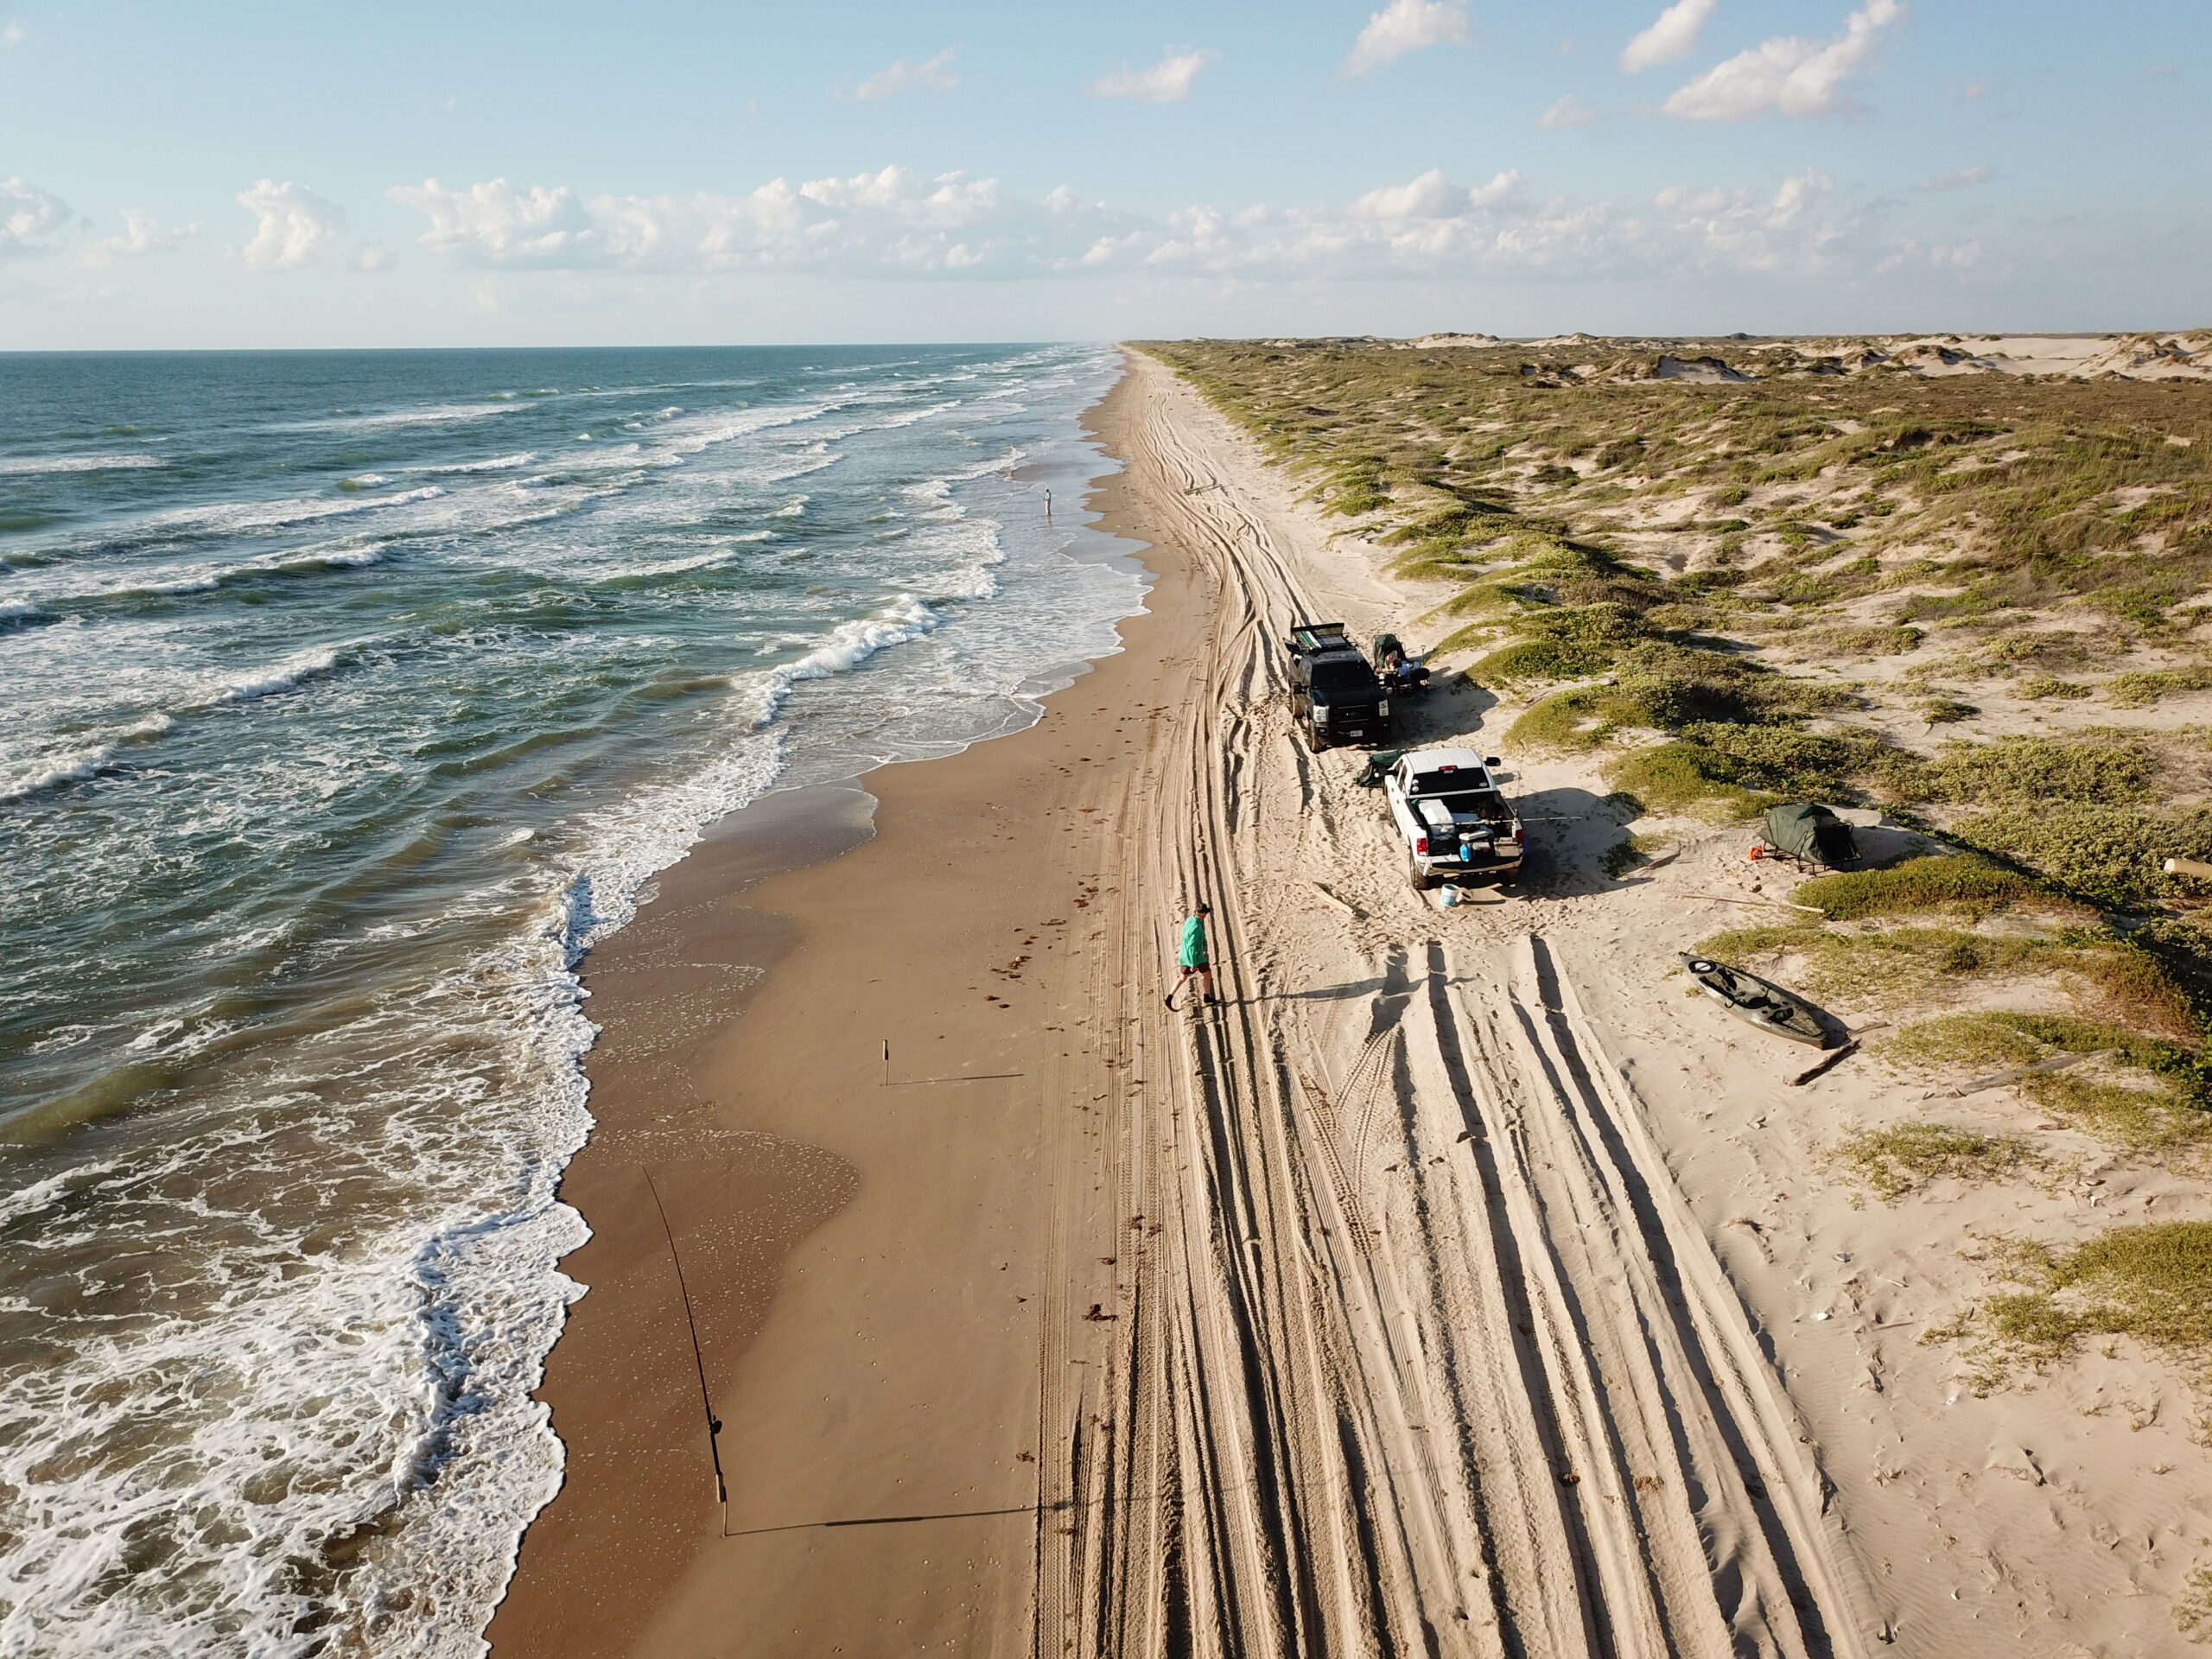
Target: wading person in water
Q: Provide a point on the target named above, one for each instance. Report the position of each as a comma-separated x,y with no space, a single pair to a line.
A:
1196,959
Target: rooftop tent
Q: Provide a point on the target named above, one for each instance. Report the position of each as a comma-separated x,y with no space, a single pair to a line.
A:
1811,832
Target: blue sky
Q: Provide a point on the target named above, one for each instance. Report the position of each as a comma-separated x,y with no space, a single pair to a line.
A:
266,174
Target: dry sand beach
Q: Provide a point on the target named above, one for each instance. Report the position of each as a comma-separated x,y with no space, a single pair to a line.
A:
1458,1286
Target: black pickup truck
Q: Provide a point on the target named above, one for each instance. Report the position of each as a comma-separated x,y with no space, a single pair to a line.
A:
1334,694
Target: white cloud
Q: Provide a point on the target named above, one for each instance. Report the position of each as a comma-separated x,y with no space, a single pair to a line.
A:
374,255
13,33
897,222
1960,181
29,217
1787,73
1167,81
1430,196
1800,227
1569,112
1406,26
495,224
294,225
892,221
1673,35
141,235
930,75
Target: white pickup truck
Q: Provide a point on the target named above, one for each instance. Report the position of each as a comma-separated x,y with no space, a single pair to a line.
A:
1455,823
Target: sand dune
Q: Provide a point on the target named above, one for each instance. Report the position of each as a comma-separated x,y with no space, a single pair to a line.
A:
2153,355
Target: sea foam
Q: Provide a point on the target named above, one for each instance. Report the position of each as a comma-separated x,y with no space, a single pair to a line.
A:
363,829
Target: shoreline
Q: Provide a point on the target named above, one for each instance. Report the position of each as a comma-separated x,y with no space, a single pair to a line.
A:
1456,1285
740,1139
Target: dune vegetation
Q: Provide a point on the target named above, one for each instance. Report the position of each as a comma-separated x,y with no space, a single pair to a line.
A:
1840,571
1804,570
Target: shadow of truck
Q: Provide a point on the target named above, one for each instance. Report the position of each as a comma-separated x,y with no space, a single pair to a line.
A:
1570,831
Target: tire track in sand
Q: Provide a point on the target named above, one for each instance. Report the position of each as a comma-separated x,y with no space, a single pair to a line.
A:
1472,1383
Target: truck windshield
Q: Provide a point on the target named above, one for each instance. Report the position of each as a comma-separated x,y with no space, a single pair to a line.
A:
1342,676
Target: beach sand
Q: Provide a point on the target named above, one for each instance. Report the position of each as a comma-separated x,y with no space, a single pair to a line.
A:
1457,1287
871,1268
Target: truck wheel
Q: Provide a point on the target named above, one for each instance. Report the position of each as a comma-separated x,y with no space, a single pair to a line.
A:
1422,880
1314,740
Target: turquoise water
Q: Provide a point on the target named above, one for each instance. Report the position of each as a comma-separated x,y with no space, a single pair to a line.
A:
350,696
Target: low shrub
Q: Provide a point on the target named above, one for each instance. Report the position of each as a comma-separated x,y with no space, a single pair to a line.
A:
1675,777
2050,650
2098,767
1688,616
1700,584
1970,886
1439,561
1906,1156
1884,968
1674,685
2129,985
1947,711
2137,1118
2000,1037
1353,489
1576,574
2135,986
2111,854
1664,688
1563,642
1870,639
1742,767
2193,1612
2140,689
1577,720
2039,687
1534,659
2167,1108
2152,1282
1788,760
1453,521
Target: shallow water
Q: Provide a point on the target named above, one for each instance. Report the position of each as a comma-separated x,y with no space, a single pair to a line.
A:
351,696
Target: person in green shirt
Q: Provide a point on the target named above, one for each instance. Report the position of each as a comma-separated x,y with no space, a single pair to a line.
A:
1195,957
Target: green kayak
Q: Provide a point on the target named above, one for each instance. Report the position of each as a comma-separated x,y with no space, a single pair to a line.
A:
1762,1003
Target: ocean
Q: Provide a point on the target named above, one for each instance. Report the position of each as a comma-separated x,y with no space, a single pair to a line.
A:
350,696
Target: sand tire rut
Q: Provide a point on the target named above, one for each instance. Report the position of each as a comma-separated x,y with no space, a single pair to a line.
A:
1422,1352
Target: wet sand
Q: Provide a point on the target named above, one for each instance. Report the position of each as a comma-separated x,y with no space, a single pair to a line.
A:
868,1266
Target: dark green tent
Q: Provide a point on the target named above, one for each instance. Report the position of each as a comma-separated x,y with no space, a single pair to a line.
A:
1811,832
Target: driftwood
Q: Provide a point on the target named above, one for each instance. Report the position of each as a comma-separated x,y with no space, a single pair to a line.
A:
1770,904
2017,1072
1828,1064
